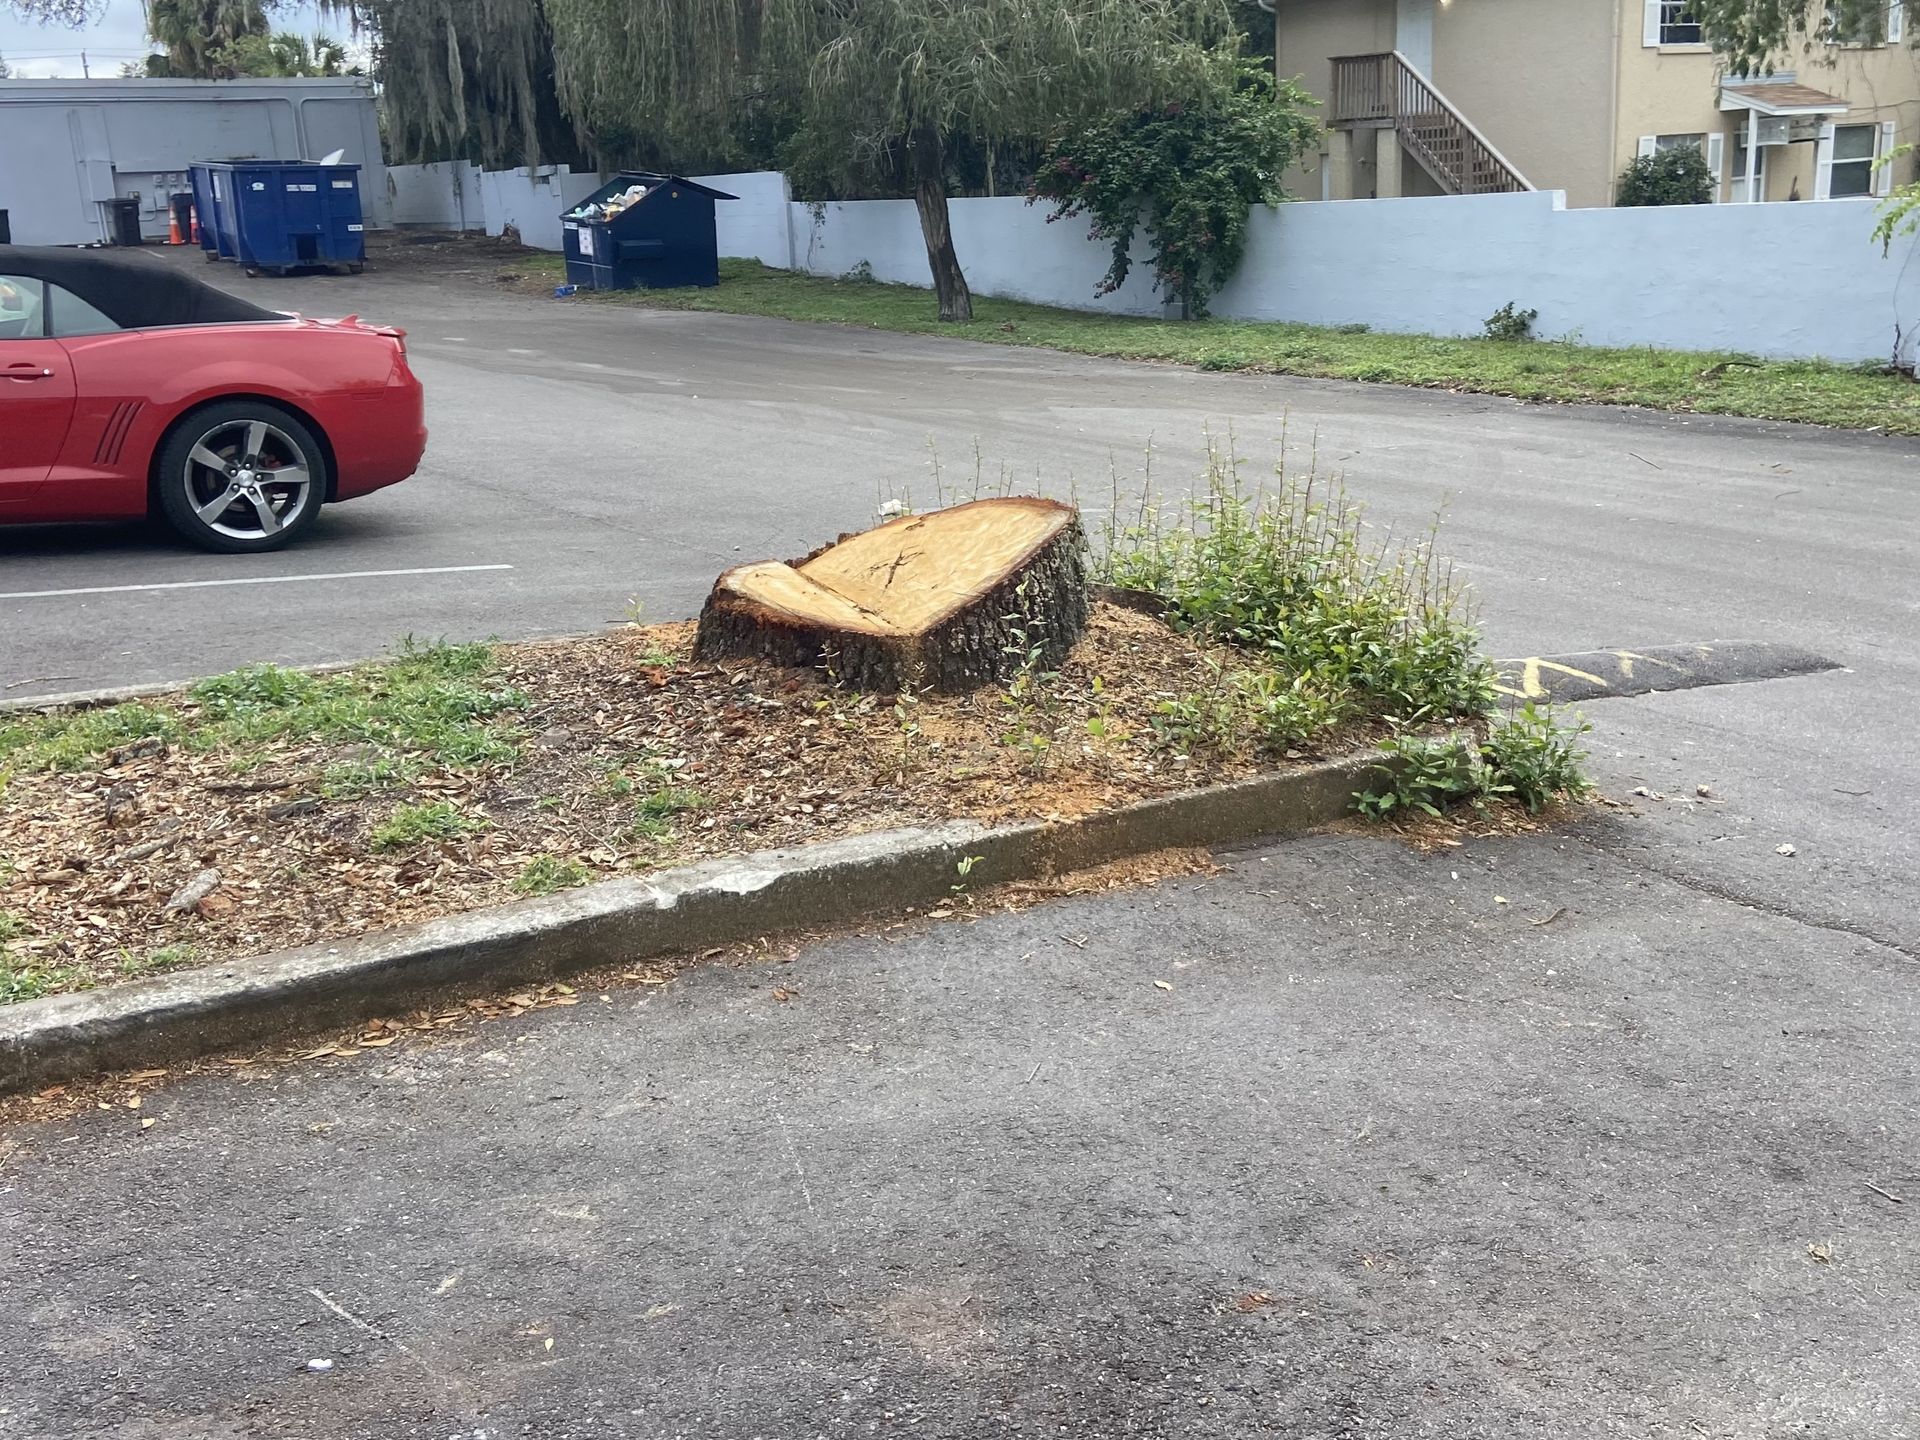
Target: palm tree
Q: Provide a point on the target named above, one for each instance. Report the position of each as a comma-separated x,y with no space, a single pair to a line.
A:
199,35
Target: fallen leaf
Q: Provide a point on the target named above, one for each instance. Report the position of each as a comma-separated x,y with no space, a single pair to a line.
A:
148,1123
1784,850
1821,1252
549,1344
1551,918
1500,900
1253,1300
781,992
1161,985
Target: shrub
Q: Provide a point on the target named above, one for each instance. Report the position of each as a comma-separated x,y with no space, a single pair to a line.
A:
1188,172
1509,323
1675,176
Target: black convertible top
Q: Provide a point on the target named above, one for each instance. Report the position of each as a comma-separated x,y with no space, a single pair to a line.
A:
135,291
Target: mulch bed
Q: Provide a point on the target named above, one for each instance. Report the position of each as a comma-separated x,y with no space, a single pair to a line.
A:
630,757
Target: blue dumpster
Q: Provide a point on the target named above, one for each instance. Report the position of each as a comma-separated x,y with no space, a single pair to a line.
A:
643,230
279,215
205,210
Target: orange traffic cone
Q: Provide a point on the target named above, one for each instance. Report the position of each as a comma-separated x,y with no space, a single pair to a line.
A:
173,227
193,224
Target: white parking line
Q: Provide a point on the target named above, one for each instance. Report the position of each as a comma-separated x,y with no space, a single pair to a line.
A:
249,580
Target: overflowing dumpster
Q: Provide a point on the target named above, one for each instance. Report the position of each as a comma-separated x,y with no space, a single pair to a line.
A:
281,215
642,230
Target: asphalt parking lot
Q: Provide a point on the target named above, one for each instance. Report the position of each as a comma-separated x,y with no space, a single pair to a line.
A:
587,456
1605,1131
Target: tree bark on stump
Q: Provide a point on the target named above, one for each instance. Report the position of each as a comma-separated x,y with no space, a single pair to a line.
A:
936,226
948,602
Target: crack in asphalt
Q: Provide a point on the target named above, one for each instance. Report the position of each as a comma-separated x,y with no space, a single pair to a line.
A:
1774,908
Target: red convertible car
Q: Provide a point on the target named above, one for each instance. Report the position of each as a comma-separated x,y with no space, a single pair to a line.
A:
128,388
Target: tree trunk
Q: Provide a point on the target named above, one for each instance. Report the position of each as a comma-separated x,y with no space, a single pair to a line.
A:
947,602
930,199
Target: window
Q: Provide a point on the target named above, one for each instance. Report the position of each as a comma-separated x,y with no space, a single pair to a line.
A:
20,308
1674,142
1852,161
68,315
1678,25
1864,22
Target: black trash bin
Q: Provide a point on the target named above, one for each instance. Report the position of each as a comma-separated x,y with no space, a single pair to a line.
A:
123,220
6,229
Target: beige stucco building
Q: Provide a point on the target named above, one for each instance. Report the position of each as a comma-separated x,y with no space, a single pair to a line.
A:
1561,94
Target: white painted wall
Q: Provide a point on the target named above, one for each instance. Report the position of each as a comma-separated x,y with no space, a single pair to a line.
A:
757,225
1006,247
65,145
1784,280
1779,280
444,195
1790,280
531,200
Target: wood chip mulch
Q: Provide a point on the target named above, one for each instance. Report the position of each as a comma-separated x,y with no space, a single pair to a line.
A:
96,863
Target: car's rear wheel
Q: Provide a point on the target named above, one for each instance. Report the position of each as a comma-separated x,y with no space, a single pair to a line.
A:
242,476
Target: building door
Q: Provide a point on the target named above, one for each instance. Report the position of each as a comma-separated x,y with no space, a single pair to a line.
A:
36,392
1413,33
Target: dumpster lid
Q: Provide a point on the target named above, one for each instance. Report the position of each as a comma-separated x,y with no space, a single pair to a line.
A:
137,292
655,178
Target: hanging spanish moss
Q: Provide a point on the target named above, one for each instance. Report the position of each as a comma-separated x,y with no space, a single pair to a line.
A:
654,76
467,80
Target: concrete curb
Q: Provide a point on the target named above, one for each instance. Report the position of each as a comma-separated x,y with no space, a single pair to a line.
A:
719,902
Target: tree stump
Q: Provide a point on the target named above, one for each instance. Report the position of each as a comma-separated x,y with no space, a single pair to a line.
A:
948,601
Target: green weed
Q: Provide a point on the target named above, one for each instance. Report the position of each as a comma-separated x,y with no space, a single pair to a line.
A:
670,800
155,962
1537,760
1351,627
545,874
1526,757
26,980
413,825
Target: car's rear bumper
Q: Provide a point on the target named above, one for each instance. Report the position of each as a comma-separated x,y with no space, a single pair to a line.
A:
378,437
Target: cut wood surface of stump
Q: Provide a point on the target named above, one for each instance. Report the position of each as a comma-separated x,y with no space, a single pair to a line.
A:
947,601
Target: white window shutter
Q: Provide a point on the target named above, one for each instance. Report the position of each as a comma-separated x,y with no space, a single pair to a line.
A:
1716,153
1650,25
1648,144
1883,173
1896,22
1823,165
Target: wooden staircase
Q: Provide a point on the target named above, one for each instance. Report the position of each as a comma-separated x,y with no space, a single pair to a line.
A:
1384,91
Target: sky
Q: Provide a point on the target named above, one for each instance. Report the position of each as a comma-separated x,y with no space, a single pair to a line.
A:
53,51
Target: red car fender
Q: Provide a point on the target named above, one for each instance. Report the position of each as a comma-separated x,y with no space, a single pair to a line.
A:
134,385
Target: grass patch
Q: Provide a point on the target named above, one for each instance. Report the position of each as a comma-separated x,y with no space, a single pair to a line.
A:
414,825
134,965
545,874
25,979
1703,382
433,703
